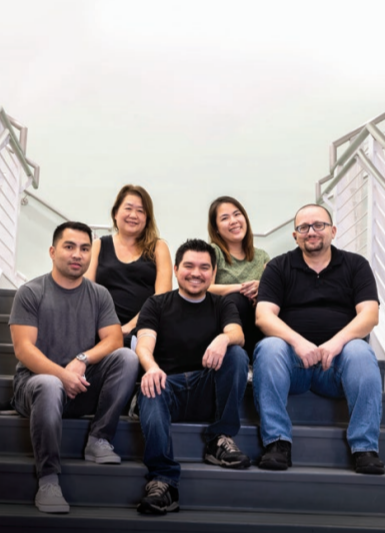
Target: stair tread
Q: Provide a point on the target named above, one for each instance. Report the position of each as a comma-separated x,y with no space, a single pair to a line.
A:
96,516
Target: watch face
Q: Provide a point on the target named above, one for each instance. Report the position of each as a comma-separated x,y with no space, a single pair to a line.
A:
82,358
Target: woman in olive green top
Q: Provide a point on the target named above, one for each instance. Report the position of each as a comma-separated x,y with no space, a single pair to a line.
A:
239,264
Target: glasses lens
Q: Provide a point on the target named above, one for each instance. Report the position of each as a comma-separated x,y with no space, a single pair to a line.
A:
318,226
303,228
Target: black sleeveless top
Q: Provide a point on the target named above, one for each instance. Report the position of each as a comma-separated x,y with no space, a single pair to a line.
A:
130,284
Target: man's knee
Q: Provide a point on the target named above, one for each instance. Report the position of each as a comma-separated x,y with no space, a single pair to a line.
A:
358,357
236,359
126,359
50,388
270,350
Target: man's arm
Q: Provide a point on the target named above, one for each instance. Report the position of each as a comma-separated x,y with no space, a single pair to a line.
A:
358,328
111,339
216,351
270,324
154,379
24,341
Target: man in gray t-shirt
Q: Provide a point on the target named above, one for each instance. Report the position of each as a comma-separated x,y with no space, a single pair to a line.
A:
68,341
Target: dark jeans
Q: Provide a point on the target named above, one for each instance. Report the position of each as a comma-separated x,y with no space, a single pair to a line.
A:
42,398
246,311
193,396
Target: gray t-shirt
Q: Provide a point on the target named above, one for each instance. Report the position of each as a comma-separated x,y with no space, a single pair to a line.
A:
68,320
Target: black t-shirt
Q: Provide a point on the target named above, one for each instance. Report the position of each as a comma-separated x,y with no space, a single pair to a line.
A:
130,284
317,306
185,329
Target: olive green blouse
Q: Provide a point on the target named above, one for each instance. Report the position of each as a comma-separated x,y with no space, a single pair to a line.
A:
240,270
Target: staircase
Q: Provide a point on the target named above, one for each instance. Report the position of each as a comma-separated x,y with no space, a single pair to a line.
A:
319,493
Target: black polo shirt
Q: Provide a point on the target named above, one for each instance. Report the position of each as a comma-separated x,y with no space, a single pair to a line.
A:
317,306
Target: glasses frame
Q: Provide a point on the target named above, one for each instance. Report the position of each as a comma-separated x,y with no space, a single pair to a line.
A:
312,226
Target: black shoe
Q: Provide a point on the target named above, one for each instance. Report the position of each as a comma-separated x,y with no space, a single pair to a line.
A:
368,463
277,456
160,499
223,451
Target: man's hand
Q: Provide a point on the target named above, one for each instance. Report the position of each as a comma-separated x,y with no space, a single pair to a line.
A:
153,381
76,366
309,353
329,350
73,383
215,352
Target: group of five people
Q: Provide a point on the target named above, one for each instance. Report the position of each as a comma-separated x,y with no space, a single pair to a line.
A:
315,305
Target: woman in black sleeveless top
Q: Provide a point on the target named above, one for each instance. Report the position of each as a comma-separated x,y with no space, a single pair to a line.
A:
134,263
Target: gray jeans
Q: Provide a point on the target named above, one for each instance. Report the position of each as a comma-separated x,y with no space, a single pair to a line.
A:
42,398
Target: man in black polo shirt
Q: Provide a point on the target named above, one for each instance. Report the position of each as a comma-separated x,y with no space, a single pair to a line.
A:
317,304
189,344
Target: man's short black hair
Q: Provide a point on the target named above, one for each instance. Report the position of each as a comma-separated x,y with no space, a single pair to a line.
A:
77,226
195,245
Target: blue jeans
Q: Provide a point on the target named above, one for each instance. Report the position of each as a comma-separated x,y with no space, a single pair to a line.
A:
193,396
354,374
42,398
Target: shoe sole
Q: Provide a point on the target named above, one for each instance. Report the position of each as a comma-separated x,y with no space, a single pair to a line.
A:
103,460
273,465
62,509
373,470
211,460
145,508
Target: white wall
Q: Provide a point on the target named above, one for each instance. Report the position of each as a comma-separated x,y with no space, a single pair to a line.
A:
190,98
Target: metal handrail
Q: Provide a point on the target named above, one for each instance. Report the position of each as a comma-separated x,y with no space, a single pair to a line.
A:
276,228
371,128
17,147
60,213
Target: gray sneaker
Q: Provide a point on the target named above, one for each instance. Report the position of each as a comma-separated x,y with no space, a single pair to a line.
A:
101,452
49,499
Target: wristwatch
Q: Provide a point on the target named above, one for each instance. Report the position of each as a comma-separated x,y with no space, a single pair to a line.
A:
83,358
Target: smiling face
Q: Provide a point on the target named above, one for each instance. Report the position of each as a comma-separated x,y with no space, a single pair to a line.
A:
194,274
314,242
231,224
130,216
71,256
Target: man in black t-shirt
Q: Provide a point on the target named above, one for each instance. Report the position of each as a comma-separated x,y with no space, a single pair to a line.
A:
189,344
317,305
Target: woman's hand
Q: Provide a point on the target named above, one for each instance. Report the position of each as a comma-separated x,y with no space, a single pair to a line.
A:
250,289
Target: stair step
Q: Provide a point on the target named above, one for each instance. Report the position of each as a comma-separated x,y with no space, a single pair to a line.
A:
206,487
312,445
8,360
307,409
5,332
20,518
6,300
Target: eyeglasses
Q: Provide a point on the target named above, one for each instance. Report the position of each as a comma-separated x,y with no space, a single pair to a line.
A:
317,226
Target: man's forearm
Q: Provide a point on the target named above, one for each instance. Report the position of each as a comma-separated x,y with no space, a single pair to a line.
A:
272,326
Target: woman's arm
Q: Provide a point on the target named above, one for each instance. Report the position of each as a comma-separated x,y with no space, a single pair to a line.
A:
163,281
91,272
223,290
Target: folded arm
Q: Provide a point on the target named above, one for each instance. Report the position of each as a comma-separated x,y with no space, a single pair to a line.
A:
216,351
268,321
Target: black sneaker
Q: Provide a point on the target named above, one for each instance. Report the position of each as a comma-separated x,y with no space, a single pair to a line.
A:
368,463
223,451
277,456
160,499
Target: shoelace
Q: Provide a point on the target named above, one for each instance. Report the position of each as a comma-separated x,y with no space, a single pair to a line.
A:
49,487
156,488
103,443
228,444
